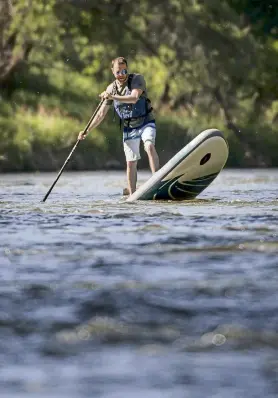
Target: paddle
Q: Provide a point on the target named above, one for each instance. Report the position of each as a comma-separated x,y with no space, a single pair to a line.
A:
73,149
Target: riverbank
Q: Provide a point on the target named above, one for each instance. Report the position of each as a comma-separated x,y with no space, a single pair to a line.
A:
40,120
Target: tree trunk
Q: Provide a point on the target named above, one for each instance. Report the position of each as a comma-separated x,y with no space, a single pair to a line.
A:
10,62
164,99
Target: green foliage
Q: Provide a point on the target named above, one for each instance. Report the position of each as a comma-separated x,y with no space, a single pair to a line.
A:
205,63
261,15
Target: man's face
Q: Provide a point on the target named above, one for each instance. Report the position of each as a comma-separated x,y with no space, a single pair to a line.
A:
119,70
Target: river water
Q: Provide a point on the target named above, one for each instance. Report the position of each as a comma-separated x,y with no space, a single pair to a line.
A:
101,298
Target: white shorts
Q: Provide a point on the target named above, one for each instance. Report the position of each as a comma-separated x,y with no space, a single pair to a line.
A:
132,146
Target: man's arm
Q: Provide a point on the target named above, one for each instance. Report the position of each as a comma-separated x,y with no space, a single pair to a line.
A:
99,116
132,98
96,120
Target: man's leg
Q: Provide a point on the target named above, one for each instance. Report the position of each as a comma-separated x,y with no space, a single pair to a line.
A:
131,174
132,154
148,137
152,155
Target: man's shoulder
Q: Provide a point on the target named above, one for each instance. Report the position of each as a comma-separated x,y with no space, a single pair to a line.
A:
110,90
110,87
136,76
138,80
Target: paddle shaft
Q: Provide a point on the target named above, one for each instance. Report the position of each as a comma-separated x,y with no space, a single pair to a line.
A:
73,149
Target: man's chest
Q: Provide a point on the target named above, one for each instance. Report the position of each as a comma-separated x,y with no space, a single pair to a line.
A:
121,89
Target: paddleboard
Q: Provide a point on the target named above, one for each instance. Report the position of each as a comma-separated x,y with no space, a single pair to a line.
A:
189,172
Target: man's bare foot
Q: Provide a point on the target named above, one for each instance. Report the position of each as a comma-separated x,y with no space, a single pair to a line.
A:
125,192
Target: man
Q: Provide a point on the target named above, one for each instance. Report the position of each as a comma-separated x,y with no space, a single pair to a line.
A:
128,94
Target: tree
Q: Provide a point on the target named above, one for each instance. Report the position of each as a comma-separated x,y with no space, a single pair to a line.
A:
25,26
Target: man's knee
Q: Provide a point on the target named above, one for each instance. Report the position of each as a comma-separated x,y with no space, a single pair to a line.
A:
149,146
130,164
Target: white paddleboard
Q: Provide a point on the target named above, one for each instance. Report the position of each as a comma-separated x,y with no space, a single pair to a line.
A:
189,172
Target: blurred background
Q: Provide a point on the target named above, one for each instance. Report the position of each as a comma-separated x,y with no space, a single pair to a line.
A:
108,299
206,64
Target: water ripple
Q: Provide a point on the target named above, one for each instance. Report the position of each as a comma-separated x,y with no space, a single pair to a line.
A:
103,298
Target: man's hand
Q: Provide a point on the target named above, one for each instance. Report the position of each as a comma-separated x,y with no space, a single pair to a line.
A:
81,135
105,95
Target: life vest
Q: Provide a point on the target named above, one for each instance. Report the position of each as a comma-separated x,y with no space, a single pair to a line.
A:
130,112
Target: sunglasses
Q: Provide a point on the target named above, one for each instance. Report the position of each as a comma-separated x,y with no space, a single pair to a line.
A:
122,72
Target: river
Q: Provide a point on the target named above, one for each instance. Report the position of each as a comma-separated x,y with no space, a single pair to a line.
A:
102,298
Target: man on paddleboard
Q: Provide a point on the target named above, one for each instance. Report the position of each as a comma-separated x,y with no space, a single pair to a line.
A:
128,94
